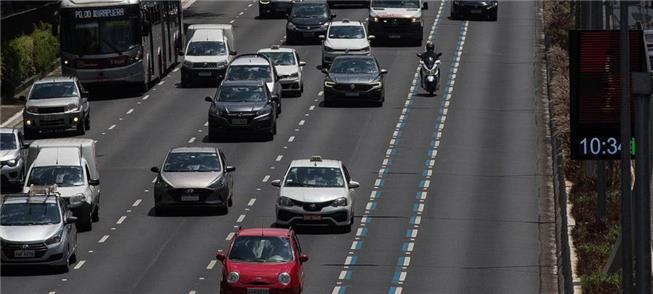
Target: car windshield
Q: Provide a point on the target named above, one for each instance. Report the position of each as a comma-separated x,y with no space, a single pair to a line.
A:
206,48
261,249
63,176
18,214
242,94
309,11
100,36
346,32
53,90
353,66
280,58
192,162
8,141
314,177
249,73
395,3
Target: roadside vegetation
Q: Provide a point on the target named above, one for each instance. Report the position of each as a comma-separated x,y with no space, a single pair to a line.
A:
28,56
593,240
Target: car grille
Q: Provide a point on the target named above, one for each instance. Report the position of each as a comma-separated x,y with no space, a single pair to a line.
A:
205,65
9,247
50,109
177,193
357,87
339,216
392,22
312,206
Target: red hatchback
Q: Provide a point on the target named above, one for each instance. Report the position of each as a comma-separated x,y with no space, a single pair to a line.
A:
263,260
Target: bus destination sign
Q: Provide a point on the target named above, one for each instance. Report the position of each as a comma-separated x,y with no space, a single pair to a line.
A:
99,13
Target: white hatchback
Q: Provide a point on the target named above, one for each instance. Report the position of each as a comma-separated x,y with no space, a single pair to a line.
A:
344,37
289,68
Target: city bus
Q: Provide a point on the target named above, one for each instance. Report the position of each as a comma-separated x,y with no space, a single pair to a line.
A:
120,41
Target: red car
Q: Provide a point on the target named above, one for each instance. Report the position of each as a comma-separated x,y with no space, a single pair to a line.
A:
263,260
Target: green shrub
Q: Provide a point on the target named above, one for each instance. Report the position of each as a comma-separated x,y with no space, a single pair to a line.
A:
46,47
601,283
17,57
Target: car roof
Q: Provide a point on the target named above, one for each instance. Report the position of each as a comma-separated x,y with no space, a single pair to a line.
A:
250,59
346,23
194,149
207,35
264,232
58,156
323,163
279,49
354,56
23,198
55,79
260,83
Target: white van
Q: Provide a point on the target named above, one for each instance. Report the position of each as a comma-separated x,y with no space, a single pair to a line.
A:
71,165
209,50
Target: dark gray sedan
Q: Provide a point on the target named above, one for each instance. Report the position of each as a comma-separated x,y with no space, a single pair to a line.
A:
354,77
193,176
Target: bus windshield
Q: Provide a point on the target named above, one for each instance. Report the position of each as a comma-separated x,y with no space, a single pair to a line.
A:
100,36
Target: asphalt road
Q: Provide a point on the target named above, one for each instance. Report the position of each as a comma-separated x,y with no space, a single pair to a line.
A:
449,184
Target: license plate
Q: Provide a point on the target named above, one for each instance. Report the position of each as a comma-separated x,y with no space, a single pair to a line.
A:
239,121
394,36
308,34
258,291
351,94
24,253
204,74
49,118
312,217
476,11
190,197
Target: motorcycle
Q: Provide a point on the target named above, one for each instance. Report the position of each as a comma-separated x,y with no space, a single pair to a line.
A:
430,73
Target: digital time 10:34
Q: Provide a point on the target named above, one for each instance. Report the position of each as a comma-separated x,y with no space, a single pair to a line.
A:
597,146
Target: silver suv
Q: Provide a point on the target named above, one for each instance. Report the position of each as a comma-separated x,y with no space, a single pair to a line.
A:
12,156
56,103
255,67
37,228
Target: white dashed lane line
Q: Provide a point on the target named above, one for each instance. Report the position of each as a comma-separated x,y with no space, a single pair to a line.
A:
111,127
211,264
191,140
229,236
320,93
145,97
279,158
121,219
251,202
80,264
103,239
161,83
266,178
291,139
240,218
312,107
130,111
137,202
302,122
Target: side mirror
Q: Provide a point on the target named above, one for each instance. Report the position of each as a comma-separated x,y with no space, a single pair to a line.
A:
220,256
303,258
230,168
22,98
425,6
371,37
275,97
70,219
155,169
302,63
233,52
325,70
321,37
383,71
208,99
93,182
439,54
276,183
354,184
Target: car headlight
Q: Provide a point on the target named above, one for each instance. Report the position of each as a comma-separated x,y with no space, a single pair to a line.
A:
266,2
342,201
232,277
284,278
324,25
217,183
264,112
32,109
10,162
366,48
329,84
375,19
55,239
77,199
165,184
415,19
294,75
328,49
72,106
291,26
377,84
284,201
187,64
221,64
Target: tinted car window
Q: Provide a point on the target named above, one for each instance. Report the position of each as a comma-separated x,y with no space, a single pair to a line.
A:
63,176
309,11
192,162
346,32
261,249
353,66
16,214
242,94
206,48
280,58
395,3
314,177
8,141
53,90
249,73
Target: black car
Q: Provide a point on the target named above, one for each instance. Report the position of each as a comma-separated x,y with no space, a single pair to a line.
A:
242,106
363,3
307,20
268,8
475,9
354,77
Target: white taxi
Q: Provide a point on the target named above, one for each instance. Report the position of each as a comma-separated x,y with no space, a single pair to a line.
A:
344,37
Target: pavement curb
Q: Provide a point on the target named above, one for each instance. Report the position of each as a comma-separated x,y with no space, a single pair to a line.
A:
13,120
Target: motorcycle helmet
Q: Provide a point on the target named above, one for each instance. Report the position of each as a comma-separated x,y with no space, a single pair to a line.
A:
429,46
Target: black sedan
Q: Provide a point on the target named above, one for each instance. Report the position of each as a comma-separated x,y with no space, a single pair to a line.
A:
354,77
242,106
307,20
475,9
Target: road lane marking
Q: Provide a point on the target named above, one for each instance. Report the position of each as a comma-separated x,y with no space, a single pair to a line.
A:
232,21
266,178
111,127
231,235
145,97
302,122
279,158
80,264
292,138
130,111
154,180
320,93
211,264
251,202
191,140
192,292
161,82
312,107
240,218
137,202
103,239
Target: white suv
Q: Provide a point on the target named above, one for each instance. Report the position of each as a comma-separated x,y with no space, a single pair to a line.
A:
316,191
289,68
344,37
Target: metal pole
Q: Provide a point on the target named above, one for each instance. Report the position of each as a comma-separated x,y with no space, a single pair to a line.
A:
642,165
626,235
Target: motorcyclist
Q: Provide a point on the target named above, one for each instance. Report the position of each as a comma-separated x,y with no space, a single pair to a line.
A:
428,58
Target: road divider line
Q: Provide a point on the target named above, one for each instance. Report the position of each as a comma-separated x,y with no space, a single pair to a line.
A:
130,111
302,122
161,82
191,140
291,139
80,264
211,264
103,239
112,126
251,202
279,157
137,202
266,178
121,219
